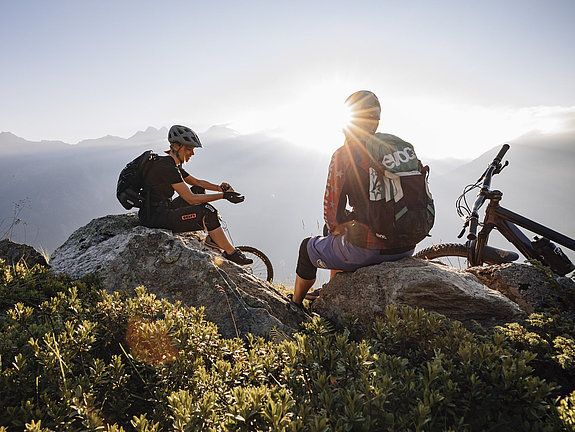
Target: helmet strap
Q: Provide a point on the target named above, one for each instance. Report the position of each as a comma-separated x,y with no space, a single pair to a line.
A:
175,152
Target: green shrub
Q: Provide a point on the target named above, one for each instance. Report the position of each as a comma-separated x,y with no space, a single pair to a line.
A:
77,358
30,286
552,337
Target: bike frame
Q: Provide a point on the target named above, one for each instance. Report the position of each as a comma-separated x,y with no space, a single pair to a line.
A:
506,223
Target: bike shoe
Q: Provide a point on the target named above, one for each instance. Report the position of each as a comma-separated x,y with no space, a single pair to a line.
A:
298,308
238,257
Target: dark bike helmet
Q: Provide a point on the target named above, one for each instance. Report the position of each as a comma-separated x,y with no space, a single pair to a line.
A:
364,104
184,136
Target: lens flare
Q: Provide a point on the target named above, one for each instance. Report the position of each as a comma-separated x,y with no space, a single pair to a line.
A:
150,341
345,117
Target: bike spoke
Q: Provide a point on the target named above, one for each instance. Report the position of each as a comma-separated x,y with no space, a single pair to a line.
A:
261,266
453,261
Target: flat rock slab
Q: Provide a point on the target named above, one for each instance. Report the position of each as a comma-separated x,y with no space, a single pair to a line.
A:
454,293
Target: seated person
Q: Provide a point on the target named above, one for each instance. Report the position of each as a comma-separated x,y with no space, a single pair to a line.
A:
349,243
189,211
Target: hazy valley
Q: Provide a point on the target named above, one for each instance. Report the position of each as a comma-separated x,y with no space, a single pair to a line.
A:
49,189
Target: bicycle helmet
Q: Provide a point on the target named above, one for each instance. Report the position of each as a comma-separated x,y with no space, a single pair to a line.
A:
184,136
364,104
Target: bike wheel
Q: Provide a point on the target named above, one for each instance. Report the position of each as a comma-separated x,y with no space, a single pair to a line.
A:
455,255
451,254
262,266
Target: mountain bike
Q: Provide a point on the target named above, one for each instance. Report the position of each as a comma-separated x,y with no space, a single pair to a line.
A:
476,251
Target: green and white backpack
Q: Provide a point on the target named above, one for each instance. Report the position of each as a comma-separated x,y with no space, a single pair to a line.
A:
400,206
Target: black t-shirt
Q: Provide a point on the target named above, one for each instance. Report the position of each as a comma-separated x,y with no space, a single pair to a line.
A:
161,176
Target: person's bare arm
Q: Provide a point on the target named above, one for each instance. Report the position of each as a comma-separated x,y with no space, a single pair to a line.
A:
192,198
191,180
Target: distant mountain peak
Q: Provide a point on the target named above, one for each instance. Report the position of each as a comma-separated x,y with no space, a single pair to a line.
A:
13,144
221,130
7,134
150,132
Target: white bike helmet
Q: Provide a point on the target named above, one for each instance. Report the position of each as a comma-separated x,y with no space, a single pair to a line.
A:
364,104
184,136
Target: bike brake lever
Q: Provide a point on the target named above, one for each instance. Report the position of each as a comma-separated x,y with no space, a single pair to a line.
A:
463,229
500,167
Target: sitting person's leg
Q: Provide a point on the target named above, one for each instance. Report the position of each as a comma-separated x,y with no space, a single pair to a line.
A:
200,217
192,217
334,253
305,273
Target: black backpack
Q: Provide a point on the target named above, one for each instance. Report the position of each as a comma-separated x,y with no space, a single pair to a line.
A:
130,190
400,206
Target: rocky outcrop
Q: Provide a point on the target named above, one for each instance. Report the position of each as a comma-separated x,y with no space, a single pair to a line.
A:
454,293
14,253
181,268
530,287
175,267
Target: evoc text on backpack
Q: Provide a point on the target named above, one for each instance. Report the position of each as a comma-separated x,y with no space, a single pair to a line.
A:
130,190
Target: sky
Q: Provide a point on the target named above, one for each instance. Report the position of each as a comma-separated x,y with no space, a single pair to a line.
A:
454,77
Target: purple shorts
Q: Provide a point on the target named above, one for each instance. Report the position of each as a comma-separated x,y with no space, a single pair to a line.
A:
334,253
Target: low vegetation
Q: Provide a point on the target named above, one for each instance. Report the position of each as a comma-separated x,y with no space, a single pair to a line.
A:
76,358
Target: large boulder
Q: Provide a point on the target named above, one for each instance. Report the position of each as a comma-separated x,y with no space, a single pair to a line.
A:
14,253
454,293
175,267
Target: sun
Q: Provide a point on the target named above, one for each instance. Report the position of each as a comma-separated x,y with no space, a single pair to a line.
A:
312,115
316,118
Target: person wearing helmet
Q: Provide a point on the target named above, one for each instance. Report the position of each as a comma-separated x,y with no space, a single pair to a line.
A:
189,211
346,245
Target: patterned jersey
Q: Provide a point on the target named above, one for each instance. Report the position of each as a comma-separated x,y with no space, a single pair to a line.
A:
345,199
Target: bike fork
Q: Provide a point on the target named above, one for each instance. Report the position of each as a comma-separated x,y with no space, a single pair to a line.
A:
475,247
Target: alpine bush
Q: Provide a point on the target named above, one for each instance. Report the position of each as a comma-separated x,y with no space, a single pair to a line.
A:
74,357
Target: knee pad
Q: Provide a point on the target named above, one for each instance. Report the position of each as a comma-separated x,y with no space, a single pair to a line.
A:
211,219
305,269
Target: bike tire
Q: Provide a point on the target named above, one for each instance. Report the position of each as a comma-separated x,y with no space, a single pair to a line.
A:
491,255
262,266
451,254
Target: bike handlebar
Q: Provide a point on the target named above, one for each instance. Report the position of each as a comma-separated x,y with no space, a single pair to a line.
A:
493,168
501,153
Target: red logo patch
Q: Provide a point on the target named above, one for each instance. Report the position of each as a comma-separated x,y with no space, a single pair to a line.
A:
189,216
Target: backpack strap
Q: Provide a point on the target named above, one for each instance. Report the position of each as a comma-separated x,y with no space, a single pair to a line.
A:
147,165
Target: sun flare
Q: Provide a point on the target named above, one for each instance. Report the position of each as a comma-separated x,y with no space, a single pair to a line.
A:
317,118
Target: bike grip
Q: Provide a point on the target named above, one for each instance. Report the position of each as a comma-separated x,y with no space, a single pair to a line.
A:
502,152
473,223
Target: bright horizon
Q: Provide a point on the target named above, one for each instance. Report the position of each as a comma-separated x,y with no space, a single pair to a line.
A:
453,78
